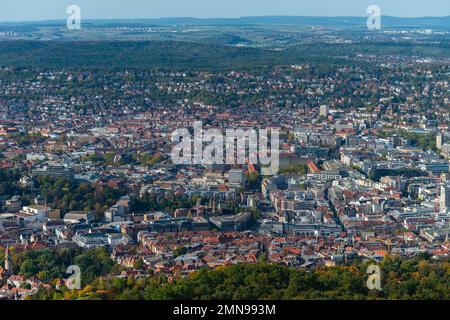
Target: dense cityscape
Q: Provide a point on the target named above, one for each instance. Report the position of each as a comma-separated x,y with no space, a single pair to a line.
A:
87,179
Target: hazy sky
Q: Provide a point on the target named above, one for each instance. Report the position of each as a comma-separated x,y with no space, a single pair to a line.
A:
17,10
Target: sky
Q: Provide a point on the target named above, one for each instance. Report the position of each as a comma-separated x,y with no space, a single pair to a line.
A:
32,10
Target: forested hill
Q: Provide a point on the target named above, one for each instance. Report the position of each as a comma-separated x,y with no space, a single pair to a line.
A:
189,55
414,279
129,54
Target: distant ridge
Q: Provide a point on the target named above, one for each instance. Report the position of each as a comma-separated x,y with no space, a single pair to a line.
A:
388,21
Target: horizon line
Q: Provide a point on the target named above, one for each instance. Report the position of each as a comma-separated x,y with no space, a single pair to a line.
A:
221,18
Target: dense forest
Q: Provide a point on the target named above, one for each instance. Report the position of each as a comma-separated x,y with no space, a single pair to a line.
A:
420,278
189,55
